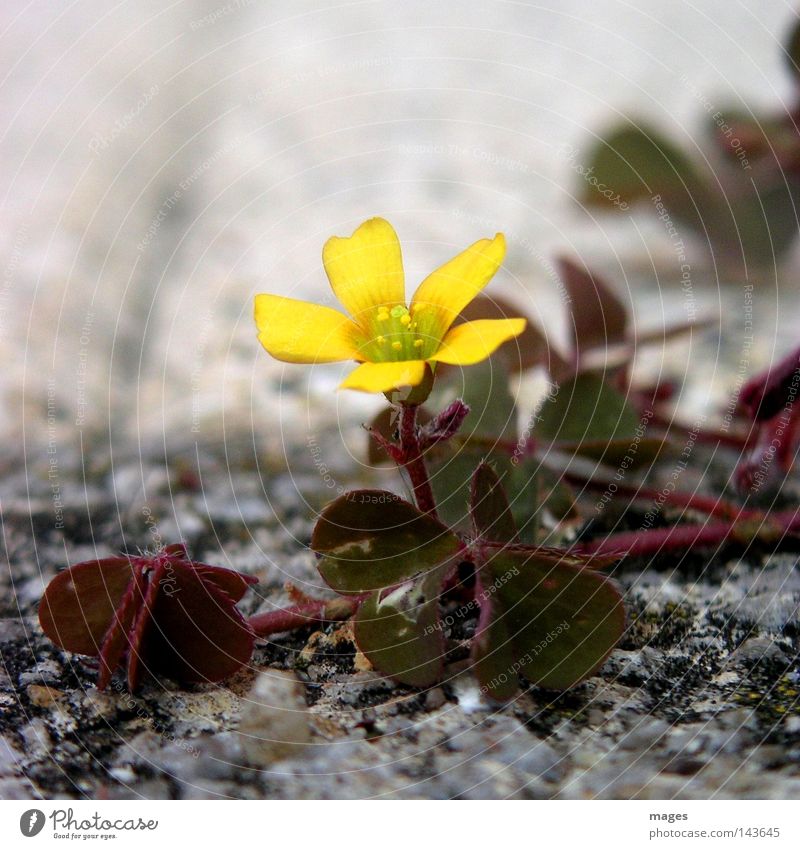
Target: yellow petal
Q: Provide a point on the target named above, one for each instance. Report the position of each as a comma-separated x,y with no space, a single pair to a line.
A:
383,377
442,295
366,269
476,340
298,332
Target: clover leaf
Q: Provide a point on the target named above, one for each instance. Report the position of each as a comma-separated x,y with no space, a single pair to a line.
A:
371,539
542,617
162,613
400,632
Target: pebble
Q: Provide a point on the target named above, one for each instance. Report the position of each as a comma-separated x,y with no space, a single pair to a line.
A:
37,739
9,758
44,697
46,672
758,650
434,698
274,721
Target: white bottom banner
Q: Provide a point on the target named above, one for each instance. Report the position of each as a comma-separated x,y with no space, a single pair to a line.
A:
375,825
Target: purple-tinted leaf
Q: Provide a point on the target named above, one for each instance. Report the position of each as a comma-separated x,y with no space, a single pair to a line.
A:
118,609
491,515
117,638
599,317
792,51
195,632
527,350
586,409
371,539
766,394
150,581
546,619
233,584
400,632
79,603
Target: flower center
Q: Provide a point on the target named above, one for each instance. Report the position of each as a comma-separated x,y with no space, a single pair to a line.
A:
393,336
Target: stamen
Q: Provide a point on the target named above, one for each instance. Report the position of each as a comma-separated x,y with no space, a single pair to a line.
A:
418,343
397,345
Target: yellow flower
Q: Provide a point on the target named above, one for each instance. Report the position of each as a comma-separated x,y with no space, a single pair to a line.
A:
392,341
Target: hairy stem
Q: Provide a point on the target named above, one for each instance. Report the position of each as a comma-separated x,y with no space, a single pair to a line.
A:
710,506
412,460
766,528
300,615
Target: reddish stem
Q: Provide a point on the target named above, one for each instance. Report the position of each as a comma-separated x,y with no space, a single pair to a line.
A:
708,505
300,615
412,460
706,436
766,528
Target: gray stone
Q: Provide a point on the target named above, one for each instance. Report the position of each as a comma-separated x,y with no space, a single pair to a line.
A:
274,721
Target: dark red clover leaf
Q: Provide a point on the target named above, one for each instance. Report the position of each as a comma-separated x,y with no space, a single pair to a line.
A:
163,614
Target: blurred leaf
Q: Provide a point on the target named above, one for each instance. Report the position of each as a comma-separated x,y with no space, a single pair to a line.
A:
638,163
767,392
371,539
525,351
491,514
534,490
616,451
552,622
484,388
599,317
492,420
451,467
384,424
766,220
400,632
586,409
792,51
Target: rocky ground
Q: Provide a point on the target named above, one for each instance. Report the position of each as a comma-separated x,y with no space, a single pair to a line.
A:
700,699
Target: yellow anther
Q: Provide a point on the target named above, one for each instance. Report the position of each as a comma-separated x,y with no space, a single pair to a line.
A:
418,343
405,320
397,345
383,314
381,340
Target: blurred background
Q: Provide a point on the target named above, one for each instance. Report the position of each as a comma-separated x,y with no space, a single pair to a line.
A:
161,164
